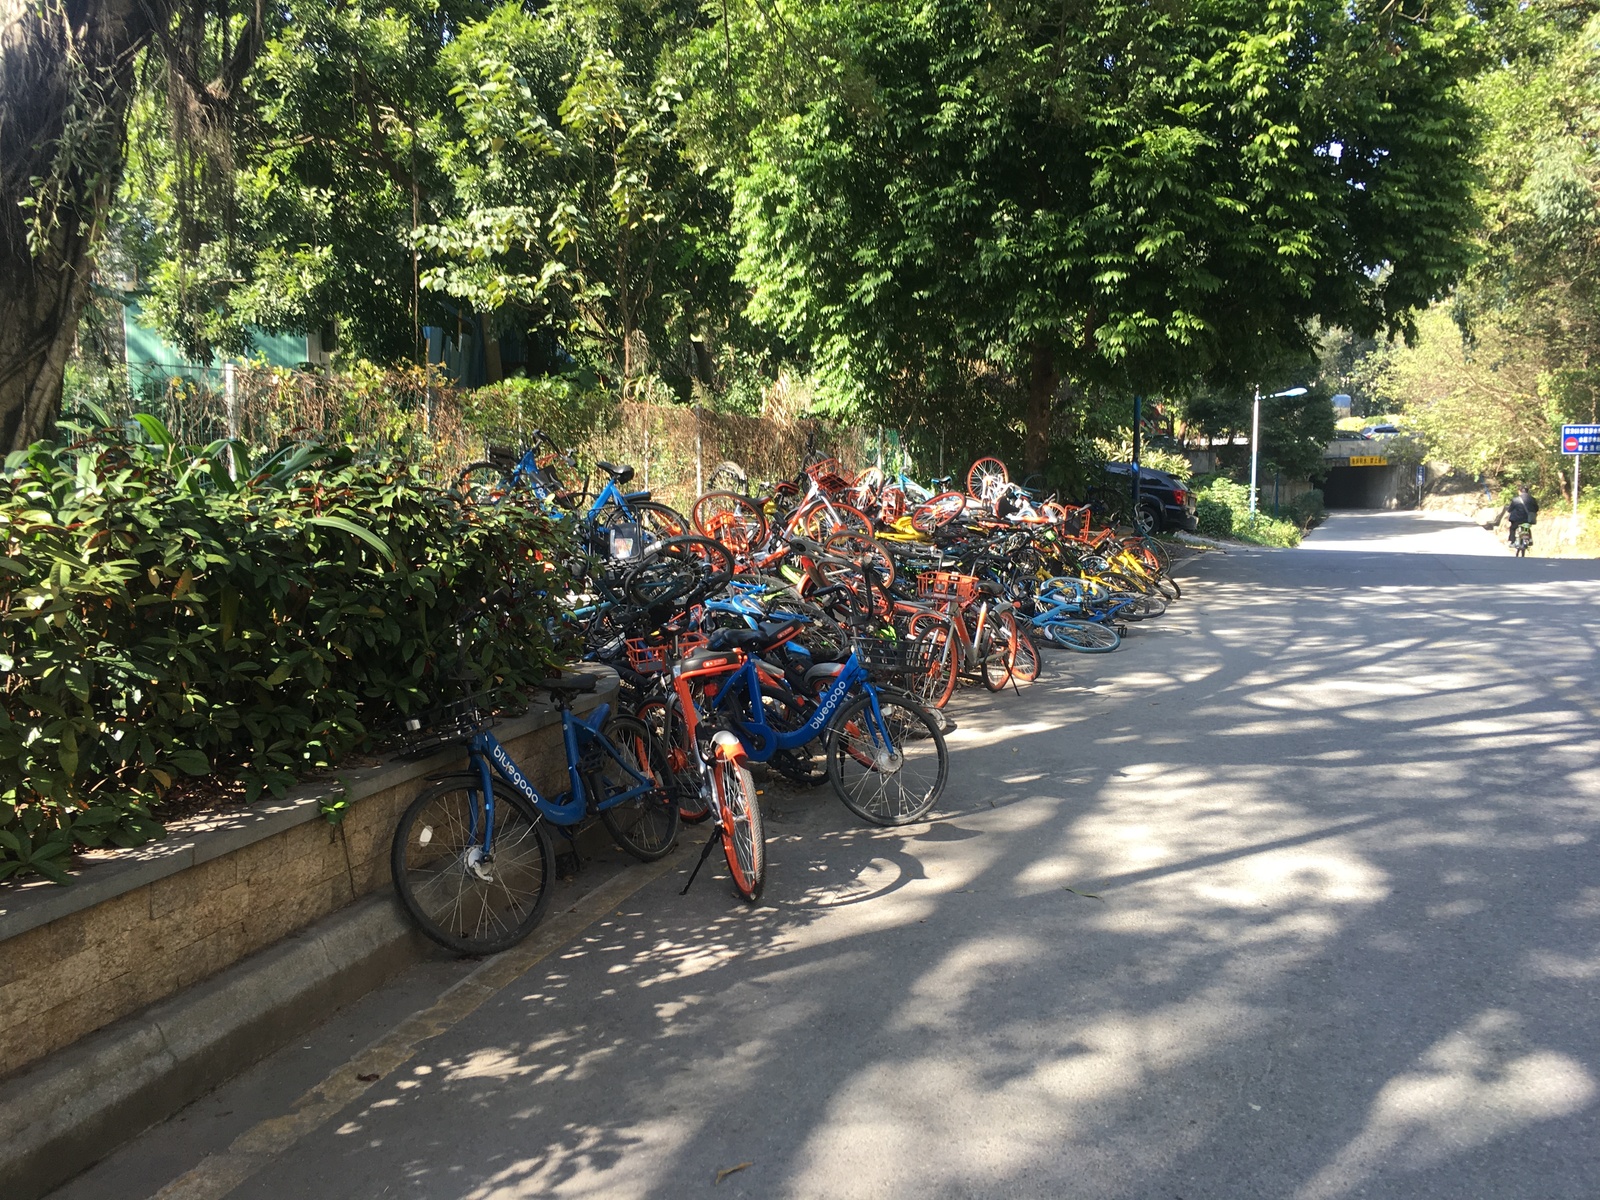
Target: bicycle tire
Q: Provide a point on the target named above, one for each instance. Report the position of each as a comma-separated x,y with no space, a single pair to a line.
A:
938,512
819,524
671,571
647,825
671,732
451,902
938,683
894,784
986,473
728,476
995,659
478,482
1027,666
661,521
735,521
1086,637
864,552
743,835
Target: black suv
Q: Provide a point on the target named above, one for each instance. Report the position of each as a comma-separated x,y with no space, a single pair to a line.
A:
1164,503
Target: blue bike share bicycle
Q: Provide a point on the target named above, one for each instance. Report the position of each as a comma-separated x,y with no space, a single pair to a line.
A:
553,480
472,857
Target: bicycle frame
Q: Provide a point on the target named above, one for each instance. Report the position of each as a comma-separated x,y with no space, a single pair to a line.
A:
612,494
761,741
489,758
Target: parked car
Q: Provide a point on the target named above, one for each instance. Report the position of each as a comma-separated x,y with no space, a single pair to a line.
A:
1379,430
1164,503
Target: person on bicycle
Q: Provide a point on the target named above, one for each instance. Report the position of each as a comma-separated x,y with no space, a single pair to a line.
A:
1523,510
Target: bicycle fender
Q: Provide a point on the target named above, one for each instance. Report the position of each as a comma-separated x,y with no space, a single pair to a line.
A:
727,748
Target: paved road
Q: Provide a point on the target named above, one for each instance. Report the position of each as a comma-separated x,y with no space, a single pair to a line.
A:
1296,895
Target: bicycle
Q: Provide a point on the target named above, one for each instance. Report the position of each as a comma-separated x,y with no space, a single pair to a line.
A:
1522,539
472,857
877,744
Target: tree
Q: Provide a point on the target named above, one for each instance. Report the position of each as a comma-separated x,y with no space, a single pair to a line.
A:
1101,194
66,78
68,71
1515,352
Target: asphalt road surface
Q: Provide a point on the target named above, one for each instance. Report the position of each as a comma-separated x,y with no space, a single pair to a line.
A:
1295,895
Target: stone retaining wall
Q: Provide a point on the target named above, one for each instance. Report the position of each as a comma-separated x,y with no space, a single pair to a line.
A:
137,926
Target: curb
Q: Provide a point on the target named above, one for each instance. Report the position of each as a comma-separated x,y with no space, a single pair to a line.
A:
80,1104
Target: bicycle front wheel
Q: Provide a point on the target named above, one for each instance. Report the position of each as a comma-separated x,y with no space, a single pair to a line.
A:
891,773
466,898
743,839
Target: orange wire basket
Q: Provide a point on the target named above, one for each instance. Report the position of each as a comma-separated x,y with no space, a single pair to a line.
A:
947,585
649,658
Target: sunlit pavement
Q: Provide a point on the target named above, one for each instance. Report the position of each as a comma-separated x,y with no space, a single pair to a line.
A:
1294,895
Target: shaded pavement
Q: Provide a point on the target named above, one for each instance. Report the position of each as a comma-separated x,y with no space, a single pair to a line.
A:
1294,895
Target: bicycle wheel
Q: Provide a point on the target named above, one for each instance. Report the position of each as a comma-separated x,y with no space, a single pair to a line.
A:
743,838
657,520
479,483
728,477
863,552
467,900
891,774
1088,637
667,725
1027,665
738,523
821,521
673,570
985,477
938,683
646,825
997,651
938,512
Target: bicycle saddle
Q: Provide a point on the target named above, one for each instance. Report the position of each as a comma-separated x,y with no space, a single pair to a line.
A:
572,685
620,474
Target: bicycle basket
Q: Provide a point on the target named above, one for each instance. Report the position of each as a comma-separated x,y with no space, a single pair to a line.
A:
947,585
428,732
650,658
890,659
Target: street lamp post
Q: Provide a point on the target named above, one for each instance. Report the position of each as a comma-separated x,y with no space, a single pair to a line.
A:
1255,435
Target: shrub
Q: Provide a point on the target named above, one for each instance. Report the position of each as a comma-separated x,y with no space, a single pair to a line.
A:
1217,493
158,620
1307,509
1215,517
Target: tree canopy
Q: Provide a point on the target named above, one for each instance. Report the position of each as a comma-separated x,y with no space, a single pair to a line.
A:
1026,208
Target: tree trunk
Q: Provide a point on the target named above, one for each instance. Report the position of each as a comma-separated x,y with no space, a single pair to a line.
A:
1042,381
66,79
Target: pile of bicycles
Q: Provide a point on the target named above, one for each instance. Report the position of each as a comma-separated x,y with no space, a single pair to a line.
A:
816,629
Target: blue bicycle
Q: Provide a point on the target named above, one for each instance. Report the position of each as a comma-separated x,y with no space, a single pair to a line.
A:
886,757
472,857
620,523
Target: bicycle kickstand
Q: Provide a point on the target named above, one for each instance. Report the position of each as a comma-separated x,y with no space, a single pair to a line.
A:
714,839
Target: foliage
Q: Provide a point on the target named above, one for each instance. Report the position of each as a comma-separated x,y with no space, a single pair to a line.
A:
564,408
168,613
1217,494
1137,196
1308,509
1294,429
1513,355
1215,518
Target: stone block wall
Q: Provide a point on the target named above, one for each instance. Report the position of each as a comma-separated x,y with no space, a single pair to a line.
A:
237,884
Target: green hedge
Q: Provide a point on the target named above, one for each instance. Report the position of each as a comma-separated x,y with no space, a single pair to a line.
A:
159,620
1220,502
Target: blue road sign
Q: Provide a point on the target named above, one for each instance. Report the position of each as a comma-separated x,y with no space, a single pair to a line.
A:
1580,439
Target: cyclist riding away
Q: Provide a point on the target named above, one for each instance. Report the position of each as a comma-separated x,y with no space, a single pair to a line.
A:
1523,510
